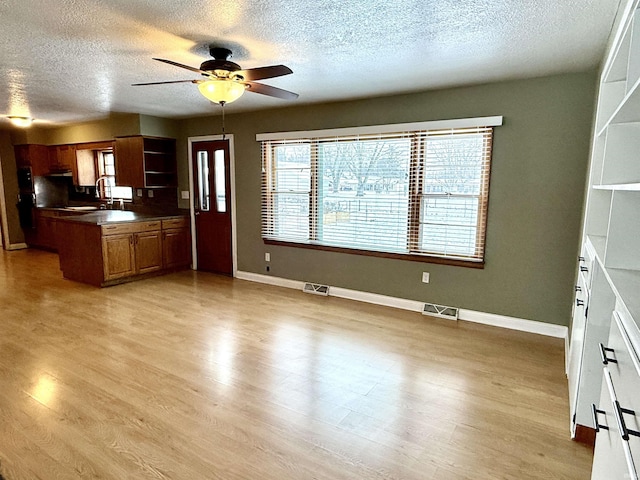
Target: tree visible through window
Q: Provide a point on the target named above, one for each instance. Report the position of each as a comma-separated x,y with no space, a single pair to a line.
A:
107,167
418,192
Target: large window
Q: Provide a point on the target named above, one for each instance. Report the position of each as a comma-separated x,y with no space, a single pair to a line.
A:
421,192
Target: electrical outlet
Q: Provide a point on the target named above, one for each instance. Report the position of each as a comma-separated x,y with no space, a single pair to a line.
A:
184,194
267,257
139,192
425,277
150,194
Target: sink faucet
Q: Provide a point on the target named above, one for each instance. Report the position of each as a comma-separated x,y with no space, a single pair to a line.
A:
104,178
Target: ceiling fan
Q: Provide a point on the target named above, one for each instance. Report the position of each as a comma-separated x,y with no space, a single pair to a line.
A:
226,82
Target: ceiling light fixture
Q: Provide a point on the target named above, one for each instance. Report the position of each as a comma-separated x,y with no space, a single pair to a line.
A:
22,122
221,91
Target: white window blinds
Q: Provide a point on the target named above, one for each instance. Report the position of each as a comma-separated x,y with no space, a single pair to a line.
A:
420,192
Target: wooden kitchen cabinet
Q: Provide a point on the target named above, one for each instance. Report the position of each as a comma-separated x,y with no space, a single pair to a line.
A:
146,162
148,251
131,249
34,156
62,158
112,253
119,258
176,243
46,231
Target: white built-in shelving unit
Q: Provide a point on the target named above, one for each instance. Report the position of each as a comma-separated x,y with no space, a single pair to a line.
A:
604,356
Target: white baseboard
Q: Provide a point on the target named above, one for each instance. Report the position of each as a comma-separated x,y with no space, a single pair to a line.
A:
566,352
277,281
17,246
492,319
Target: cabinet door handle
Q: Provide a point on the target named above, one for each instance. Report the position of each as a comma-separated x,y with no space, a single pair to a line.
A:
624,431
584,269
594,414
603,355
579,303
581,259
578,288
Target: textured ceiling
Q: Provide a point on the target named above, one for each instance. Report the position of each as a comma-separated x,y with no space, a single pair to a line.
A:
71,60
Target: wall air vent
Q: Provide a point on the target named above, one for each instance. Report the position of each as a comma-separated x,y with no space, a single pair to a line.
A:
441,311
316,289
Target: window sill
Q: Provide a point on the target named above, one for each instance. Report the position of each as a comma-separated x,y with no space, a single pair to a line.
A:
370,253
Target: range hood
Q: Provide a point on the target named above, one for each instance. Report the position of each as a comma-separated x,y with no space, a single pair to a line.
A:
61,173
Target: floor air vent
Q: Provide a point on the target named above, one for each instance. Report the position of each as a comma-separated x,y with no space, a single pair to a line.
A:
440,311
316,289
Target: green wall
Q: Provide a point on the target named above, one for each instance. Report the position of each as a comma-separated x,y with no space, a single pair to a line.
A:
536,194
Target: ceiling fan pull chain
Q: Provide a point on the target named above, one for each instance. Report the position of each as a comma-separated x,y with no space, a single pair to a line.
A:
223,132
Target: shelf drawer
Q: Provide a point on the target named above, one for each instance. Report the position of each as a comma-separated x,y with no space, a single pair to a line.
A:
625,378
585,265
612,457
175,223
131,227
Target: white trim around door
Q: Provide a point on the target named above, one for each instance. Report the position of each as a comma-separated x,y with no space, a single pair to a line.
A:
232,161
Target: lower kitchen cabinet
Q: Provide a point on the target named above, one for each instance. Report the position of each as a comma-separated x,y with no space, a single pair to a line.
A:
45,232
148,247
131,249
119,258
108,254
176,243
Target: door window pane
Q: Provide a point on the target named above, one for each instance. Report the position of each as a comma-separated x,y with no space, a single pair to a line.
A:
220,177
203,180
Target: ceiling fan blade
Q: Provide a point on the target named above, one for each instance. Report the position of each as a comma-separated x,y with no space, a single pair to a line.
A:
271,91
261,73
162,83
176,64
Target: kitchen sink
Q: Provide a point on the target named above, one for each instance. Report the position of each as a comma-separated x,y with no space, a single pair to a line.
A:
85,208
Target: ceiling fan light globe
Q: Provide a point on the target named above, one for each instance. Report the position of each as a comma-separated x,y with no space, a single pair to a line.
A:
221,91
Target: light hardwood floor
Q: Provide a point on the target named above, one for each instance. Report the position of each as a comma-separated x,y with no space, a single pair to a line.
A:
195,376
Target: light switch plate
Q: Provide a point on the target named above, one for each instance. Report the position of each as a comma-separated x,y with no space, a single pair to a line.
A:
139,192
150,194
425,277
184,194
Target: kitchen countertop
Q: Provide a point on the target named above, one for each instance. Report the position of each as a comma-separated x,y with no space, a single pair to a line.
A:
102,217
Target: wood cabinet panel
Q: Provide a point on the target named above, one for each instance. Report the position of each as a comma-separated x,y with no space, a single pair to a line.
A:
176,246
146,162
34,156
148,246
129,160
86,168
118,254
62,158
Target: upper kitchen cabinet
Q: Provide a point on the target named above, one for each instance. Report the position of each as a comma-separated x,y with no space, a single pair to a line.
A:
62,158
146,162
34,156
88,158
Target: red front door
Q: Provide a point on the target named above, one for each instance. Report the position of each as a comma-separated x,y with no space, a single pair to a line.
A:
212,182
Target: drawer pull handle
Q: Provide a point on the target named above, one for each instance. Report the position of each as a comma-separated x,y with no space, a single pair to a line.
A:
594,413
581,259
579,303
603,355
624,431
578,288
584,269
